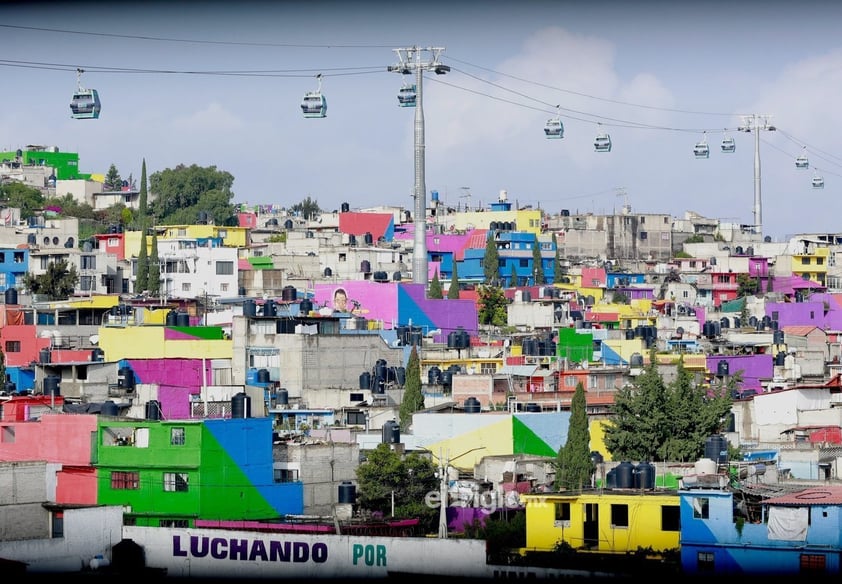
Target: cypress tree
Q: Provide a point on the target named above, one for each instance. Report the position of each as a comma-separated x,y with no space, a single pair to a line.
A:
537,264
154,272
435,287
453,291
142,200
491,260
556,262
574,465
413,398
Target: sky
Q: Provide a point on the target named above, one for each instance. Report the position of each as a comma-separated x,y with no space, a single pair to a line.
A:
220,84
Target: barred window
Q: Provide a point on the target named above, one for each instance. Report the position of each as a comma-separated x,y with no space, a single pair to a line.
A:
224,268
177,436
175,482
125,480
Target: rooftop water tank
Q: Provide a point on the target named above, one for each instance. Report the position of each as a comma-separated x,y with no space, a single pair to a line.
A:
391,432
109,408
249,308
716,448
625,475
153,410
11,296
644,476
52,385
241,405
347,493
472,405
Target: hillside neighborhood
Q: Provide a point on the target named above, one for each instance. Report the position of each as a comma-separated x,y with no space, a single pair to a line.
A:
238,395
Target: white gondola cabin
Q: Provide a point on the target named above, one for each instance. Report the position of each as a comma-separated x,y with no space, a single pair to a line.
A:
818,182
314,104
701,149
85,103
554,128
728,145
802,161
407,96
602,142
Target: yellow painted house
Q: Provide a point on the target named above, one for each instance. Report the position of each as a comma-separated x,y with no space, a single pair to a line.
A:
611,521
231,236
159,342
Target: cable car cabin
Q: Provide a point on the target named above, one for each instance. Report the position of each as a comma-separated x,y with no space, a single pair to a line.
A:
802,162
728,145
602,143
314,105
554,128
407,96
701,150
818,182
85,104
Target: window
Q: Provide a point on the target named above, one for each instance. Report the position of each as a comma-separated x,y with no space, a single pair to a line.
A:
805,261
670,518
180,523
819,261
619,515
12,347
185,286
224,268
701,507
286,475
562,514
125,480
7,435
87,283
177,436
223,287
18,257
45,262
57,524
570,381
812,563
704,562
88,262
175,482
523,263
355,418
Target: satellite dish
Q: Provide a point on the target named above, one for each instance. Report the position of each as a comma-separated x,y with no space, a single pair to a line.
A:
94,339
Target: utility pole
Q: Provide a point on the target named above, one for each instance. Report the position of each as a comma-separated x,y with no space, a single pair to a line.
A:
755,123
409,61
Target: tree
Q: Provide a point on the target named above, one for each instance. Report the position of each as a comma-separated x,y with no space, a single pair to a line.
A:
746,285
141,281
307,209
143,203
435,287
58,282
410,478
574,465
413,398
492,305
513,277
153,279
537,264
653,422
185,191
453,290
113,182
22,197
491,260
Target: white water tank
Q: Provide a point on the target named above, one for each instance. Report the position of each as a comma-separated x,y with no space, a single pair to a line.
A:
705,466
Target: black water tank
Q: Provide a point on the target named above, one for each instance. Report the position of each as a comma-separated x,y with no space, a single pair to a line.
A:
289,293
400,376
352,239
109,408
153,410
241,405
11,296
347,493
269,308
365,380
172,318
636,360
780,359
368,239
44,356
241,291
125,378
434,375
283,397
472,406
625,475
345,207
249,308
263,376
97,355
182,319
629,334
305,306
380,276
328,272
611,479
391,432
722,368
452,340
644,476
288,224
778,337
52,385
533,407
447,378
716,448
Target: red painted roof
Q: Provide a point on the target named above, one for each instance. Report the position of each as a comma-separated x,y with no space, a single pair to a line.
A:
825,495
359,224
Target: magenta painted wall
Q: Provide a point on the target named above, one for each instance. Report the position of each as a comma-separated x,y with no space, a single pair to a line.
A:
177,380
378,301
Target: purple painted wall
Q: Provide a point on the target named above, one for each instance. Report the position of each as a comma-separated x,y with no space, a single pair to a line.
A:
753,368
177,380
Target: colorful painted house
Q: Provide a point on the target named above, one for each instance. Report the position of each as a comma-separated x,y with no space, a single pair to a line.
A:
797,533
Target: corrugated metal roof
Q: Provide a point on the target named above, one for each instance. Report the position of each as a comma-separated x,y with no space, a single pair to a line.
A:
825,495
519,370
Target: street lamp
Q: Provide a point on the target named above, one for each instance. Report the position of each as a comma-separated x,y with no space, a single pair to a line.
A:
409,61
443,466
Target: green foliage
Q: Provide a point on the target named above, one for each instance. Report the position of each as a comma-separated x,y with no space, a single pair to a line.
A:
413,398
453,290
435,287
143,196
492,305
153,279
113,182
183,192
410,478
620,298
574,466
537,265
58,282
278,238
682,254
307,209
70,207
502,534
141,282
2,367
746,285
695,238
25,198
652,421
491,261
513,276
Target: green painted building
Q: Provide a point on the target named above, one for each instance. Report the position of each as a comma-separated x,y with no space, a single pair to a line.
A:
66,164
